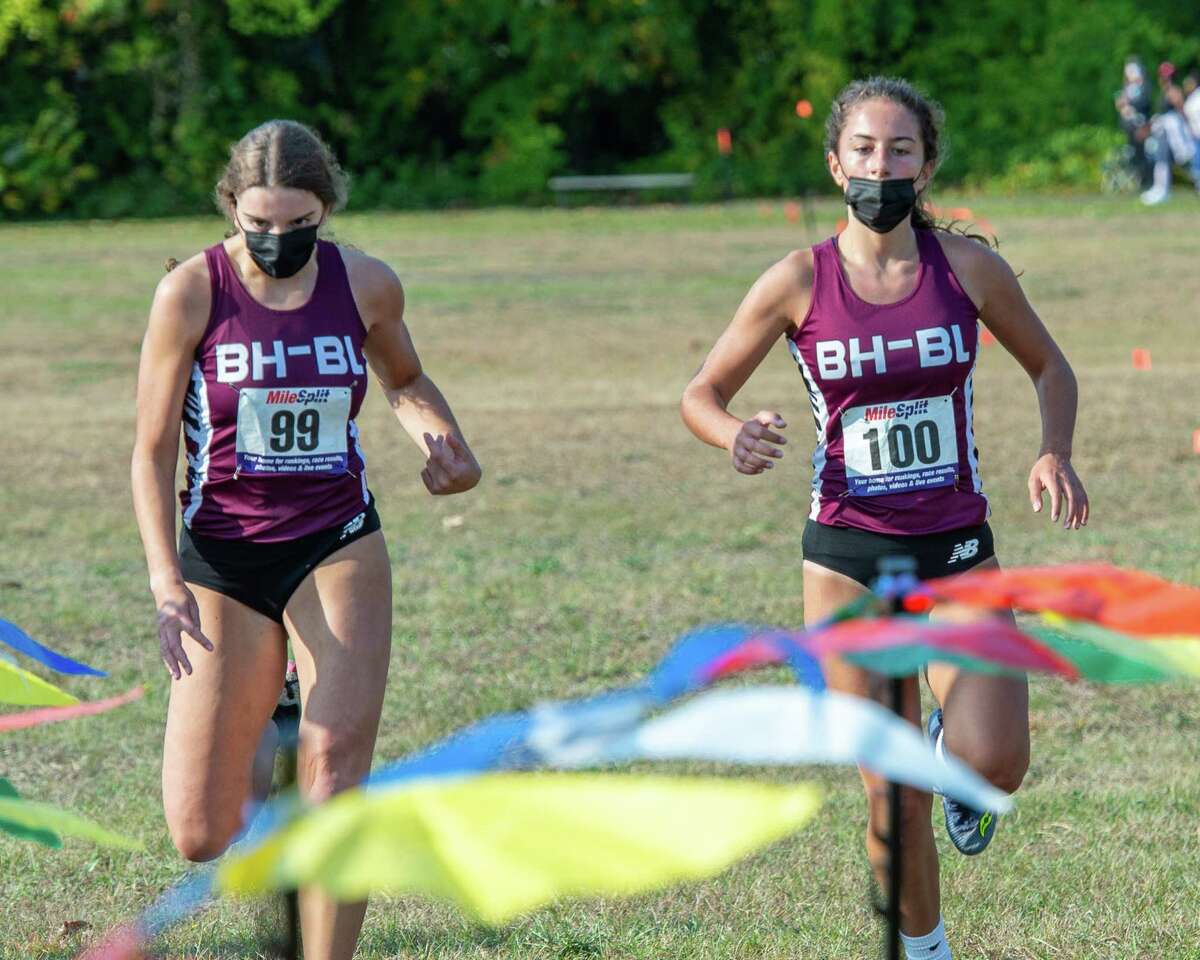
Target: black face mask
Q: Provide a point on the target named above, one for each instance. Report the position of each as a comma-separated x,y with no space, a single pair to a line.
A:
281,255
880,205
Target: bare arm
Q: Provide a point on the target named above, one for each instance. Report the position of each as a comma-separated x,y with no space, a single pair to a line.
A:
423,412
774,305
178,317
1005,311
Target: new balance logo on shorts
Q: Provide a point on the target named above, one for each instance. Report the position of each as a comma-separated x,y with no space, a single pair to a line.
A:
356,524
964,551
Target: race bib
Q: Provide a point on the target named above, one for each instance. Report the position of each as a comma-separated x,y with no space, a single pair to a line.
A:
901,446
292,430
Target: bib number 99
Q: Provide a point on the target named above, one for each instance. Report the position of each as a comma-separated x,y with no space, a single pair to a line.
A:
291,432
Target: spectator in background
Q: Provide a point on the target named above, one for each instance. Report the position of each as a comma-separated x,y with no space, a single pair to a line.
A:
1133,106
1191,113
1171,141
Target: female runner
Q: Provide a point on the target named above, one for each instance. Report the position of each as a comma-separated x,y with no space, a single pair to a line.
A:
259,346
881,321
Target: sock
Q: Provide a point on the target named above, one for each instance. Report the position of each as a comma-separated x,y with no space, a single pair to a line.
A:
932,946
1162,176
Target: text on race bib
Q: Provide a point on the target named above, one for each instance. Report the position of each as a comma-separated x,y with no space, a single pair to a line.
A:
900,446
292,430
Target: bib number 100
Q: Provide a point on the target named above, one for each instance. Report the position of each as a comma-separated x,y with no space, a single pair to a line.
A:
905,445
290,431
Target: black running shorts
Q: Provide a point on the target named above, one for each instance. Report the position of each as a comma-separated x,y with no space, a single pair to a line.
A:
264,576
856,553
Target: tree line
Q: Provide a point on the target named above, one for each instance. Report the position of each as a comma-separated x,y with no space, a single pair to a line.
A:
128,107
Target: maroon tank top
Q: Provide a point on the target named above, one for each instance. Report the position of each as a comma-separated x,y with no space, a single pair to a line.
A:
891,393
272,448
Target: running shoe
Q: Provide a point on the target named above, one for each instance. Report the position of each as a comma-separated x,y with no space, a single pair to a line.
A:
287,710
970,830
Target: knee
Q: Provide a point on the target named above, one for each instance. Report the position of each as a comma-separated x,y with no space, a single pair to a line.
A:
334,762
1002,765
198,839
1006,770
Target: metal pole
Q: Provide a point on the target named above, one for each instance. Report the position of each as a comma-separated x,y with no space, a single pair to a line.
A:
291,943
287,719
895,850
890,570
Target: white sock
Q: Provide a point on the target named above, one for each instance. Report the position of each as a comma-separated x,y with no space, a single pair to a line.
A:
1162,176
932,946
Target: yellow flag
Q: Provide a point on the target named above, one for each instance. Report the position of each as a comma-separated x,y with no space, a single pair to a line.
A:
1183,653
502,844
25,689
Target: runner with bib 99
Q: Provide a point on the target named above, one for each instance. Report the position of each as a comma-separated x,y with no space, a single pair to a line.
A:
260,347
883,324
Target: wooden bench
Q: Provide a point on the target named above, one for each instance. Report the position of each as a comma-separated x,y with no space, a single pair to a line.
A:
619,182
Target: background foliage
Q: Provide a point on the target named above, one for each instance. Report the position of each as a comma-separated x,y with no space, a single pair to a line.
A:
127,107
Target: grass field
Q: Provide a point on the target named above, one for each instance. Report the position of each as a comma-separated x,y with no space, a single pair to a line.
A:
601,530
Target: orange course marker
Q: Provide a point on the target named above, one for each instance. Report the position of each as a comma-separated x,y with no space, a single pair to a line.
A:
1141,359
791,210
986,337
804,109
724,142
1196,441
841,225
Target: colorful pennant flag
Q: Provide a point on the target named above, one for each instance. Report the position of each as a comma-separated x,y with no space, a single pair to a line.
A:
31,815
1106,656
703,656
25,689
502,844
47,838
900,646
22,642
789,726
33,718
1126,600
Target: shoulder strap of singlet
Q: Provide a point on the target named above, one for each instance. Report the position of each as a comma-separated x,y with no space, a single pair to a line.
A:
218,281
223,277
931,252
825,271
334,280
333,267
935,258
217,262
333,275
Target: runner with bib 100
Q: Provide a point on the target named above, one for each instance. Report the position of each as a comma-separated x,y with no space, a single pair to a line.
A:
882,322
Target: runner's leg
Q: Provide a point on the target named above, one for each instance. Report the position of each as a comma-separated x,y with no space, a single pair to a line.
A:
340,619
986,717
824,592
215,722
